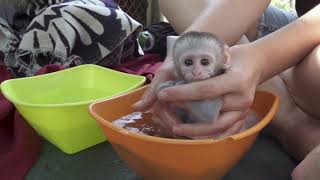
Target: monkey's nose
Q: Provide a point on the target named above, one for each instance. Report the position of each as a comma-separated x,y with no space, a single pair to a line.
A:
197,73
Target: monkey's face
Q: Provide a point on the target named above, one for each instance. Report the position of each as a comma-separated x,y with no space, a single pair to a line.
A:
199,65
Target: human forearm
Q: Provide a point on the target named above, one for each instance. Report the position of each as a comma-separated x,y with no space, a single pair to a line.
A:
287,47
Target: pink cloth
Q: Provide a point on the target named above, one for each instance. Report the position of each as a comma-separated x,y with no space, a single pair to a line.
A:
144,65
20,145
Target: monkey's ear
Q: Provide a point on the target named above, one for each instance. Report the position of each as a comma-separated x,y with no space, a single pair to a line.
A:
226,58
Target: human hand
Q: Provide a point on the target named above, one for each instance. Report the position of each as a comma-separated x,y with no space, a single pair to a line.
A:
165,73
161,113
237,86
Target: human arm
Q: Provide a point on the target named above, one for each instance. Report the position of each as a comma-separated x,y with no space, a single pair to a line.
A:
217,13
255,63
175,12
287,47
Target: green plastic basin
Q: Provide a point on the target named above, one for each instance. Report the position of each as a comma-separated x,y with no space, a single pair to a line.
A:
56,104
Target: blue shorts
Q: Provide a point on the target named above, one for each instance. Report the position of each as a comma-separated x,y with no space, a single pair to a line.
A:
273,19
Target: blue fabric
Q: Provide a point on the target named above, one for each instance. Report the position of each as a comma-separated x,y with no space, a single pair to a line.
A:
273,19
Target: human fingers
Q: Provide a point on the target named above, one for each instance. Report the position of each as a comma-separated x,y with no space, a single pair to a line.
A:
238,102
234,129
158,121
157,115
164,73
164,114
225,121
165,131
210,88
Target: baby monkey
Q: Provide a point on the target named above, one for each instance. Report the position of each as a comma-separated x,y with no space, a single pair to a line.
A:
198,56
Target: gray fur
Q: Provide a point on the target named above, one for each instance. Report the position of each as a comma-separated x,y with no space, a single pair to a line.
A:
196,111
196,40
202,110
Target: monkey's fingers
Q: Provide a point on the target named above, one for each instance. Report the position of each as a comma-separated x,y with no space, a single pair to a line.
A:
210,88
225,121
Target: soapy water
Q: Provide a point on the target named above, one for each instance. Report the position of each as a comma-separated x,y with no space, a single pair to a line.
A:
140,122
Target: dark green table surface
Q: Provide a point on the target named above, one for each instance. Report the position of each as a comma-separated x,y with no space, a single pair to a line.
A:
265,161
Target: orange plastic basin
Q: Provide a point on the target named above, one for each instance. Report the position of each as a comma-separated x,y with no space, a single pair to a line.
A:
162,158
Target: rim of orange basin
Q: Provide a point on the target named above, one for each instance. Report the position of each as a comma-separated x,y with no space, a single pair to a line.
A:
258,127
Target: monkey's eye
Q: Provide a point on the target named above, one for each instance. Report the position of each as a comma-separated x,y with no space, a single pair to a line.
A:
204,62
188,62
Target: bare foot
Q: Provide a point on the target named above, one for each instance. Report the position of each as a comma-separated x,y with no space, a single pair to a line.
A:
309,168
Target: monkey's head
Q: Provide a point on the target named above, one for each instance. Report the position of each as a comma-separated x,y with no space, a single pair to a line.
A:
200,55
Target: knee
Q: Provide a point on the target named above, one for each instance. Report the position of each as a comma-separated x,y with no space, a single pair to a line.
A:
310,65
296,174
300,172
315,55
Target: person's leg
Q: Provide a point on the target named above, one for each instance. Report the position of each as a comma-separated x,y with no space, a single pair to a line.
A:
304,83
308,169
298,132
297,123
181,13
303,134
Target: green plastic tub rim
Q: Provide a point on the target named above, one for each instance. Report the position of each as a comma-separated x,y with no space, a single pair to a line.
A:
17,102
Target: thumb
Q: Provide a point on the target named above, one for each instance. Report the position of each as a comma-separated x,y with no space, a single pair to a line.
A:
147,99
163,74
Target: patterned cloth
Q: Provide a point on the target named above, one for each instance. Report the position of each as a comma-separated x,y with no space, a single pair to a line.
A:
67,33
